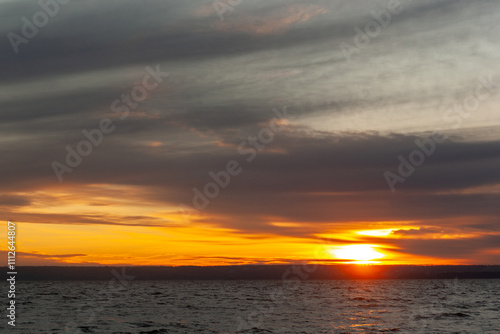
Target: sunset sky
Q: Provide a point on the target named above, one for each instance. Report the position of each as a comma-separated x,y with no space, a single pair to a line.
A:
341,140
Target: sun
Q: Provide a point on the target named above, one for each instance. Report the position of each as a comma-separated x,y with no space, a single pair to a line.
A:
357,252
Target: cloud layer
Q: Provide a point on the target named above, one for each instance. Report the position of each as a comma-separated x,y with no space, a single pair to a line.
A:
431,68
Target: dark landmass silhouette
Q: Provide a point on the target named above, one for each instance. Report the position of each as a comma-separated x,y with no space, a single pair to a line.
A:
258,272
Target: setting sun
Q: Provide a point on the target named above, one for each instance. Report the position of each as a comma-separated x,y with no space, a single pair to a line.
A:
357,252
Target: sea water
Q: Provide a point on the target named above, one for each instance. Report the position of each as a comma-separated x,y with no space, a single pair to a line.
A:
333,306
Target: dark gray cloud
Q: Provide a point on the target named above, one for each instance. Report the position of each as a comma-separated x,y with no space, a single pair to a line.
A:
450,248
14,200
418,231
56,256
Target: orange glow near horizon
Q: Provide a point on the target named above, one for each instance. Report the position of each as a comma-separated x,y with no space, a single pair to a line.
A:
108,225
192,244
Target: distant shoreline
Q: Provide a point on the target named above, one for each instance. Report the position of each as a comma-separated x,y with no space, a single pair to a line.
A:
258,272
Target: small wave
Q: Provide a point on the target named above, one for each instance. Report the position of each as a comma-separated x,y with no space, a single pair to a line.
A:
255,330
420,317
457,315
69,297
87,329
155,331
373,305
177,324
142,324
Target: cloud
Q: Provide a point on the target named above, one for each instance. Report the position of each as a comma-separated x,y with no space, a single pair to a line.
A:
14,200
49,256
272,24
416,232
38,259
470,250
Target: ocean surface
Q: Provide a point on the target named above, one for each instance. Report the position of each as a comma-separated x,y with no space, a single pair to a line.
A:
338,306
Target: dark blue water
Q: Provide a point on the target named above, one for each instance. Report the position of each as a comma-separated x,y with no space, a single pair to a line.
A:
359,306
